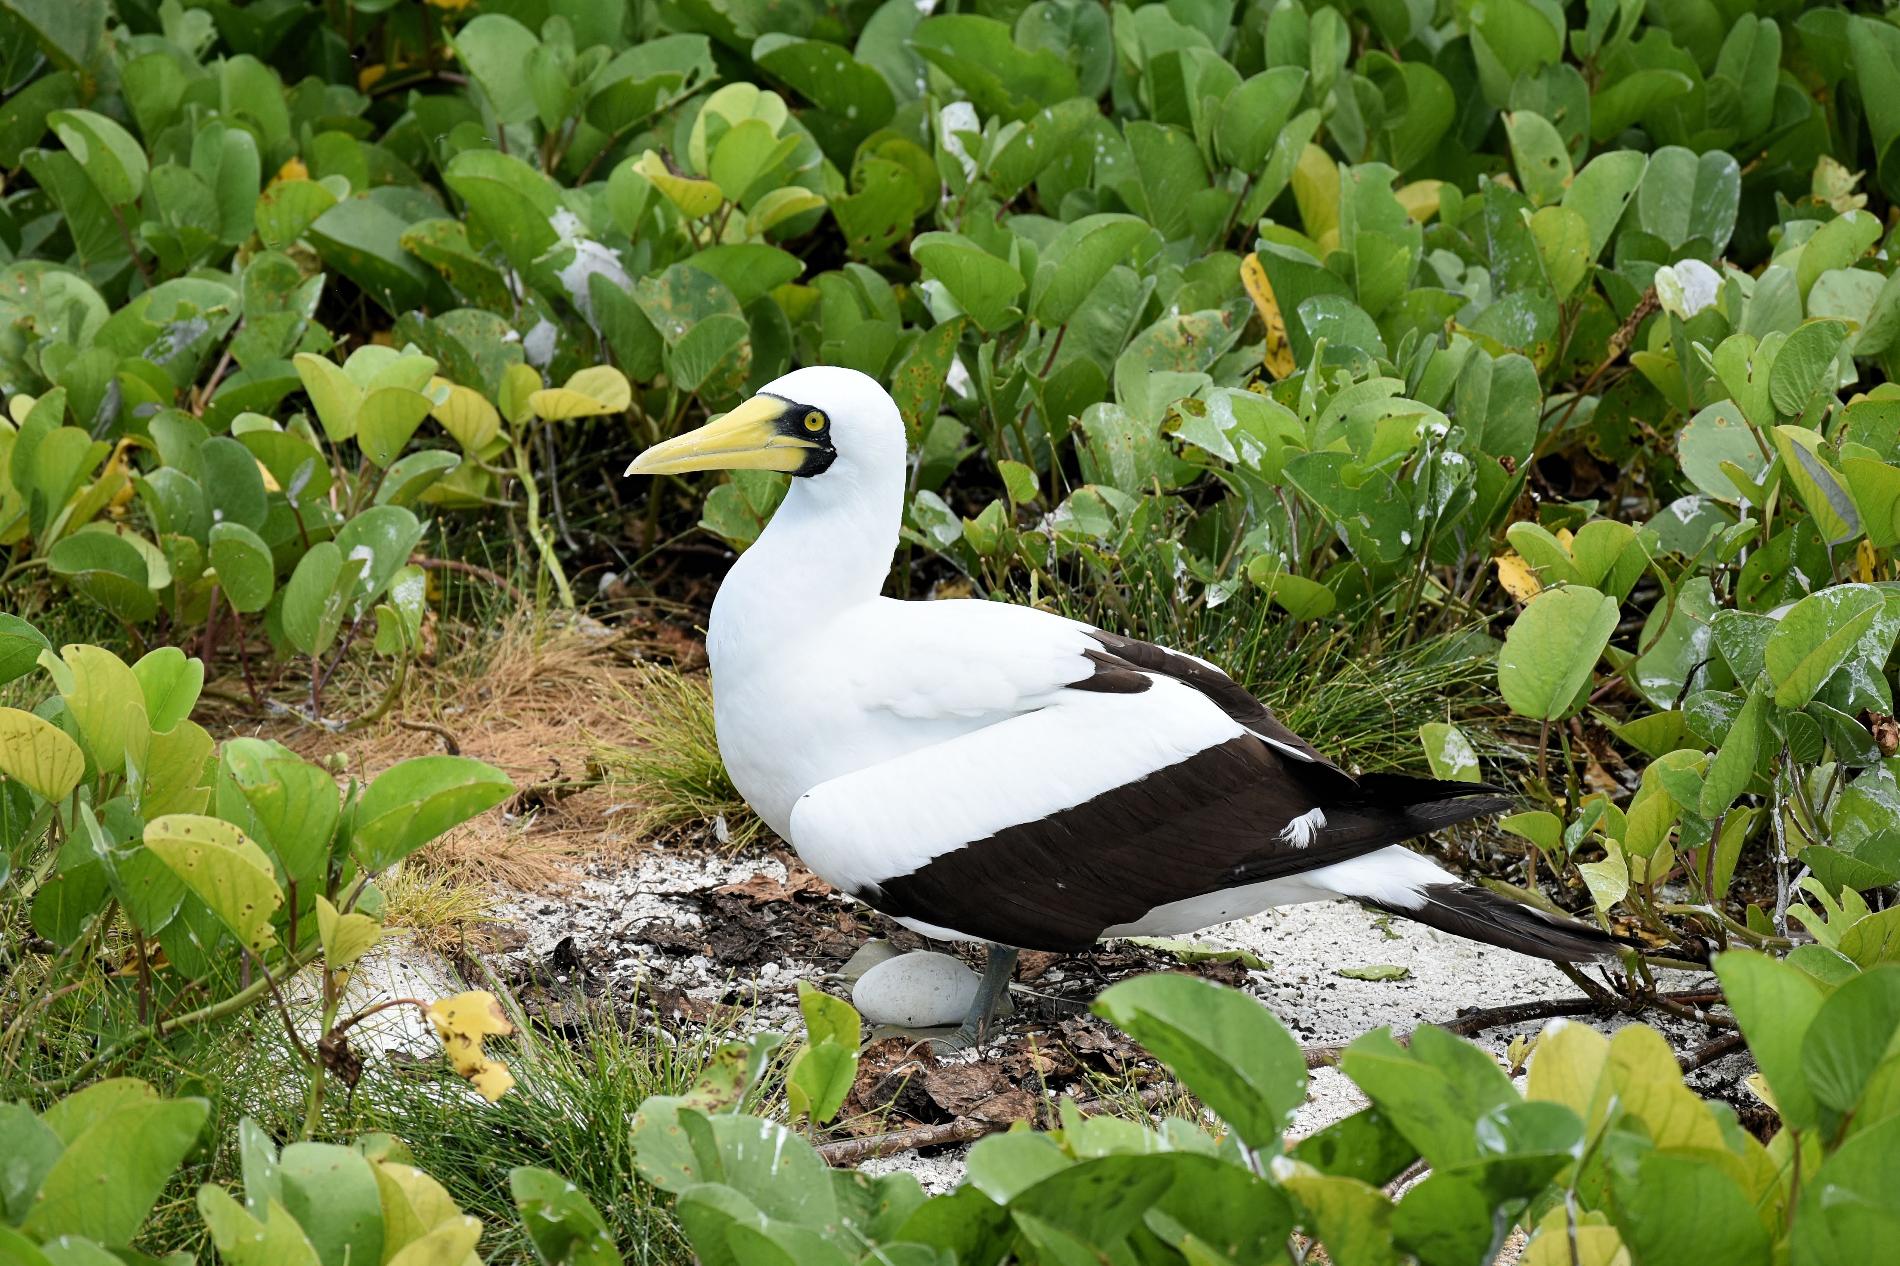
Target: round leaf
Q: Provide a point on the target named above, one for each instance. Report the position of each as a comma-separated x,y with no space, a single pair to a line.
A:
1552,648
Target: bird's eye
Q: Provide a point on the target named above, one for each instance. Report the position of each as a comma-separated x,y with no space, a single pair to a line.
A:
814,421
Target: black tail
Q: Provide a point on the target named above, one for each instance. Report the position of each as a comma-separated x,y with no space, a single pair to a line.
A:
1424,805
1478,914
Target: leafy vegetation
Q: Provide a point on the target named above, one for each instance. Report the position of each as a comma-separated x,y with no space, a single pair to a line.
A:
1602,1154
186,882
1514,381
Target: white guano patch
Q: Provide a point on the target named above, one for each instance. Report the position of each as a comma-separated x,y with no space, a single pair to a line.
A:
538,344
591,259
1687,286
1301,830
952,121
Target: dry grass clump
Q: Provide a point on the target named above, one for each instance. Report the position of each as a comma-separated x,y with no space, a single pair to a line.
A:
533,697
671,769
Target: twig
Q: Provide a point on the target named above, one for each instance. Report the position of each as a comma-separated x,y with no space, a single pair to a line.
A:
449,742
481,573
1709,1052
949,1133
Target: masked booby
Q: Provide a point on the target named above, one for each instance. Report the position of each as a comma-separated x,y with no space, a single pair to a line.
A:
990,772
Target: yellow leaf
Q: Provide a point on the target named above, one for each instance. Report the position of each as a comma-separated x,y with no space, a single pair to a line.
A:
462,1022
519,383
1865,558
1643,1074
694,197
346,937
39,755
465,414
451,1243
1567,1066
1517,577
1278,360
1591,1242
600,389
1316,190
225,868
18,407
493,1080
1420,198
366,78
293,169
605,384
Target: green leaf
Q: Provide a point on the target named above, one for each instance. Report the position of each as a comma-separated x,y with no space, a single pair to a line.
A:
821,1075
317,595
1352,1219
852,93
345,937
170,684
1820,488
1685,197
113,158
20,647
980,283
1816,638
561,1222
226,870
245,570
1735,763
1540,156
31,1148
1551,650
1776,1005
1680,1208
1077,260
332,1193
287,208
1221,1044
1374,971
379,543
334,394
414,801
1601,191
387,419
1563,242
1849,1037
293,805
106,703
243,1241
1875,486
69,30
111,1173
1718,436
361,238
107,569
1805,365
917,382
1001,76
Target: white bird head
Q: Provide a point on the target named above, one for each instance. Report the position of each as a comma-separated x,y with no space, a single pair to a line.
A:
820,422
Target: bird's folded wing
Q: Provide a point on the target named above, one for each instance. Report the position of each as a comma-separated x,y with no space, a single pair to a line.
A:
962,658
1043,829
974,659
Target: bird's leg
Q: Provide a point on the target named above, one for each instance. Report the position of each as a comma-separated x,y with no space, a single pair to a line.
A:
999,965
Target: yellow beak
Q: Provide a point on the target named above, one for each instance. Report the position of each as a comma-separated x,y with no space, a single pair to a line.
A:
748,438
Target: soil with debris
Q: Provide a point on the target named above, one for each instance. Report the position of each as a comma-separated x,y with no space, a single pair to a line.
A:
687,938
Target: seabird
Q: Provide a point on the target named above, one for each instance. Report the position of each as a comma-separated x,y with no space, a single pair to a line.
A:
989,772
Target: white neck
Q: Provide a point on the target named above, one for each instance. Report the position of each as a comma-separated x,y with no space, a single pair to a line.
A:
829,546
